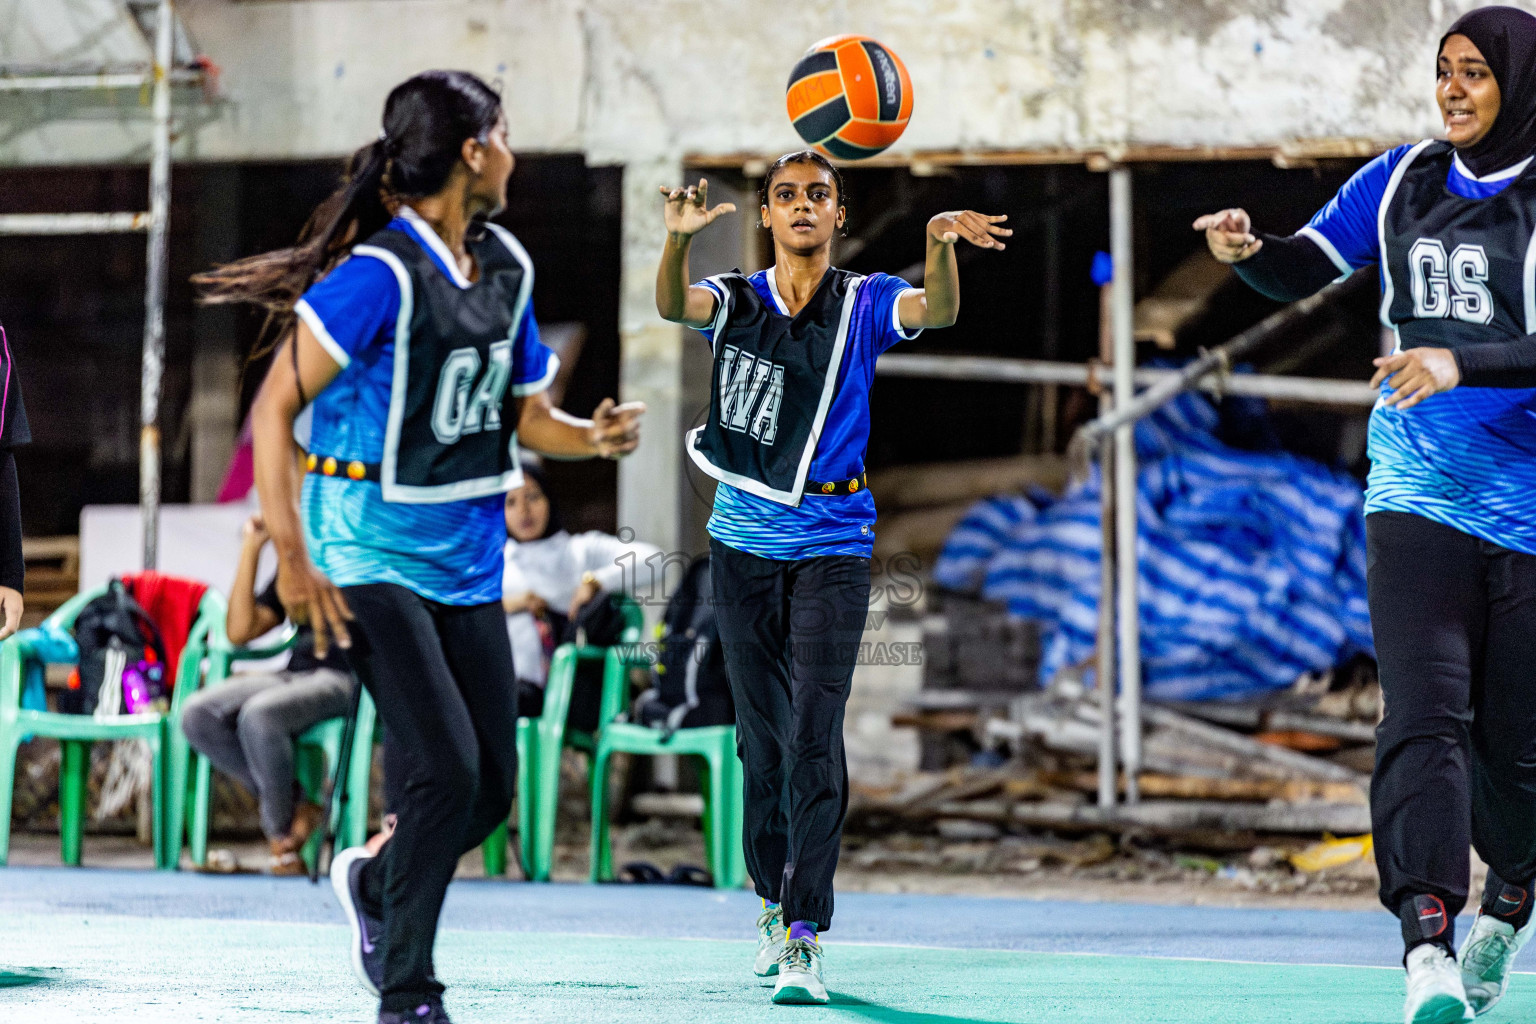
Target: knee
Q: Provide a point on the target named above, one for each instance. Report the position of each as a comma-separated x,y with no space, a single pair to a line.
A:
256,724
451,779
199,723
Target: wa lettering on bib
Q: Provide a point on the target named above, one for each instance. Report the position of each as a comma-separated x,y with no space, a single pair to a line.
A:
452,429
1457,271
774,378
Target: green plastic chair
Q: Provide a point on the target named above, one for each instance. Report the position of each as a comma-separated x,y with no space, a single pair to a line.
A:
539,743
317,752
714,745
76,733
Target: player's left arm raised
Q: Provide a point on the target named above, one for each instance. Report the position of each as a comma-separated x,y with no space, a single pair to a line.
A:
937,302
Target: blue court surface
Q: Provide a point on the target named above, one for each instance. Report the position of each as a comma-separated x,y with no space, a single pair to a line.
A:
93,945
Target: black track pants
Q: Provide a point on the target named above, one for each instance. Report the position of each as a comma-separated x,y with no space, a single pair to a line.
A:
441,677
790,633
1455,624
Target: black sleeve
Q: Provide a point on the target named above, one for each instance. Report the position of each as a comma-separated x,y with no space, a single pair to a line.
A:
1287,269
12,567
1498,364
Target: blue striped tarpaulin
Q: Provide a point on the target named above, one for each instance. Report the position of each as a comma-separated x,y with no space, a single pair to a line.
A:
1252,563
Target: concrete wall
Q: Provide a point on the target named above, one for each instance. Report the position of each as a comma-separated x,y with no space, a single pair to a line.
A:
648,83
621,79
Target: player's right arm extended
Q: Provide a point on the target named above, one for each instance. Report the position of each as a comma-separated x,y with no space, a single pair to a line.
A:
686,212
676,299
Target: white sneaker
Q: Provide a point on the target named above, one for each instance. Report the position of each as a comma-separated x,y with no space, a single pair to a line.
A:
770,941
800,974
1435,992
1486,957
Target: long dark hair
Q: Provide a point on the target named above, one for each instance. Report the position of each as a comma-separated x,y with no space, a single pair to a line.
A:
426,120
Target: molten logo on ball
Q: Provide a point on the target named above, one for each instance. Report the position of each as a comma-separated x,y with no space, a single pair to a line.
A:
850,97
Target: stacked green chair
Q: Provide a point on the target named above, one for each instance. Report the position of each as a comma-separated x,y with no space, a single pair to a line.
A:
76,733
317,752
723,779
539,743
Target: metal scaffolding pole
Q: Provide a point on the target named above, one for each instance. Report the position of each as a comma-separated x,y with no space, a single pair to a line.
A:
1312,390
154,289
1127,561
1216,361
1105,642
73,223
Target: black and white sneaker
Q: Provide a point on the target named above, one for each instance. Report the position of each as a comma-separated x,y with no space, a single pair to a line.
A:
429,1012
366,955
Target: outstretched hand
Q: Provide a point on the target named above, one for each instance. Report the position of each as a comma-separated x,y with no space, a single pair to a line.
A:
1229,235
1416,374
979,229
687,210
616,428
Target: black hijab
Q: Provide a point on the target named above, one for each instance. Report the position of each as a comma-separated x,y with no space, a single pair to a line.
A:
1507,38
533,471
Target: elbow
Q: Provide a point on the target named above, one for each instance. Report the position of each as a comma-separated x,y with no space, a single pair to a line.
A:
671,312
238,635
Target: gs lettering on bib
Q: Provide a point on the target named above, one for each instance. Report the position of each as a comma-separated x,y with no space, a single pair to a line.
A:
773,382
1457,271
452,429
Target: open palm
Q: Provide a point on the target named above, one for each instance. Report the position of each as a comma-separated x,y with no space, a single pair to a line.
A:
687,209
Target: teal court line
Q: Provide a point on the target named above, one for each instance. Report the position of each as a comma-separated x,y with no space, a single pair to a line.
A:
89,968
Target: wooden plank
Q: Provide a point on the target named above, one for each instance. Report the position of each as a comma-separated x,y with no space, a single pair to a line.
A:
1180,816
1297,153
1195,787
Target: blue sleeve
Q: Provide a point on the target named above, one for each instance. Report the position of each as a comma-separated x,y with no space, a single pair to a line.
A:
885,317
1345,229
533,365
353,308
722,299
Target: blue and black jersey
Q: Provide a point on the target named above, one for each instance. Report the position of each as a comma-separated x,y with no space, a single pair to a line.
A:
1457,255
768,517
439,532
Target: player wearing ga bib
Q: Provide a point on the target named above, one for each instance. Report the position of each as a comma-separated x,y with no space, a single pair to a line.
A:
790,413
794,350
419,349
408,524
1450,500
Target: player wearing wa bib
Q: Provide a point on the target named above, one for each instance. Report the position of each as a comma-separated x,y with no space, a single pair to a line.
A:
1450,500
790,413
794,352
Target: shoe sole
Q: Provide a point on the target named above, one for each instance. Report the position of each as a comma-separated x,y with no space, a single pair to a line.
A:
1442,1010
1478,1009
341,867
799,995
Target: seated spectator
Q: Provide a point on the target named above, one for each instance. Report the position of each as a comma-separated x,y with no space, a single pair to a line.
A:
552,574
247,724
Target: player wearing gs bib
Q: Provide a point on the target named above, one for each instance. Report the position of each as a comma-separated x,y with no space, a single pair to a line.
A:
1450,501
793,525
419,347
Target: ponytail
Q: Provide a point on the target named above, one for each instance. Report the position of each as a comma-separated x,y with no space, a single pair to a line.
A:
426,120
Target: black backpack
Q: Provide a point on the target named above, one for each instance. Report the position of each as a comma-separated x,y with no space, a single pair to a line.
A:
689,685
113,618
